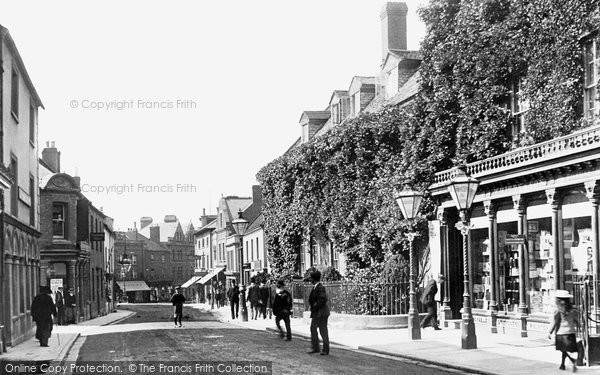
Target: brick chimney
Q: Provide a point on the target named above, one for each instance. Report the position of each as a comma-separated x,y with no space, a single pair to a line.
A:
257,195
155,233
145,221
393,27
170,218
51,156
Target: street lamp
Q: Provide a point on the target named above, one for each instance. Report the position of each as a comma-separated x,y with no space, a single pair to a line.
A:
239,226
125,263
409,202
462,188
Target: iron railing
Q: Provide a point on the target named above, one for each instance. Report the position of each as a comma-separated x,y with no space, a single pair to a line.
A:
359,298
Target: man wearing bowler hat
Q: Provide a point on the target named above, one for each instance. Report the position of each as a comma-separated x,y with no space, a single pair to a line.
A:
319,314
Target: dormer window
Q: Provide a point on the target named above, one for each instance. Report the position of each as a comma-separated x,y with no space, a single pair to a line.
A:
335,113
519,107
590,91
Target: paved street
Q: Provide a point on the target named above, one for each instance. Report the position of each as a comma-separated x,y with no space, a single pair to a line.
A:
147,335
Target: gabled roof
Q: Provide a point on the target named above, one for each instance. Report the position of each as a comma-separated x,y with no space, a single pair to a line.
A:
236,204
256,224
167,230
314,115
207,228
133,235
407,91
358,81
10,43
401,55
337,93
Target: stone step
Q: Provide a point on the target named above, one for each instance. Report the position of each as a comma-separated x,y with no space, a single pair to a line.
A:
452,323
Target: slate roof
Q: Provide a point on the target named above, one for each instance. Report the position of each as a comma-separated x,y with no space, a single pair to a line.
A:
133,235
167,230
256,224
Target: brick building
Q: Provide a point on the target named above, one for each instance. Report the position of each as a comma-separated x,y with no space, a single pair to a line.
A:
19,196
72,238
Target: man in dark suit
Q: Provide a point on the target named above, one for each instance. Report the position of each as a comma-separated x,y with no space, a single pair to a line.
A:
282,308
60,306
428,300
177,300
319,314
42,310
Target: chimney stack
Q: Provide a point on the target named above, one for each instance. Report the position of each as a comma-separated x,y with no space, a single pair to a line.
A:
51,156
155,233
393,27
257,195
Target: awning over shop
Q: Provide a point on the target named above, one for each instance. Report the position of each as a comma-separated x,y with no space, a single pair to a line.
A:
210,275
191,281
133,285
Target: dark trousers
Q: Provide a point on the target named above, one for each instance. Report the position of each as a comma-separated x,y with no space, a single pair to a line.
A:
263,310
321,324
288,328
431,318
178,313
43,332
235,308
61,315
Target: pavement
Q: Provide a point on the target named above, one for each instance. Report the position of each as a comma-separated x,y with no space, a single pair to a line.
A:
495,353
61,341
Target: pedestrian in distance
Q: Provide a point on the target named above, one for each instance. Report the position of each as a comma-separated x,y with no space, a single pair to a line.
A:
263,298
233,294
60,306
282,309
70,305
319,314
219,295
253,298
565,325
42,311
177,300
428,300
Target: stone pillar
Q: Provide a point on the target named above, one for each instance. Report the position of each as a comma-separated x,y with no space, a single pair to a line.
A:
519,204
490,211
445,311
592,189
9,297
554,202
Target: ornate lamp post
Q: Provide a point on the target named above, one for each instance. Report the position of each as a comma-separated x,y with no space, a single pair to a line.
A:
409,202
462,188
239,226
125,263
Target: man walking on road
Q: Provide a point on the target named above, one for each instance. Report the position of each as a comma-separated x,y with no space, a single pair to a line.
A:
177,300
263,298
428,300
233,294
42,310
282,308
319,314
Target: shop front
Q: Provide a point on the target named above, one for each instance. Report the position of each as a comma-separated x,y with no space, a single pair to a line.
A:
534,230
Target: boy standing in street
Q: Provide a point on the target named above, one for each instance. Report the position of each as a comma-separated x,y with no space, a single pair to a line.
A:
282,308
177,300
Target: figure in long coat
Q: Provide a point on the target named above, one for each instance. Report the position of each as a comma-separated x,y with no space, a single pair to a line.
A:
42,311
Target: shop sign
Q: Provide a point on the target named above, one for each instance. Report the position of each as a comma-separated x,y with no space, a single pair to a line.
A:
515,239
98,236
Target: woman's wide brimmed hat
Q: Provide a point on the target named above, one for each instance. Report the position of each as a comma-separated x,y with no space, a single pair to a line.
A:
563,294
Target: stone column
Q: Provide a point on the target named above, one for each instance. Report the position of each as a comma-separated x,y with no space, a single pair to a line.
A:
446,311
519,204
592,189
554,202
490,211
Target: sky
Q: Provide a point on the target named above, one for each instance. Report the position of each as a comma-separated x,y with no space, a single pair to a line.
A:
163,107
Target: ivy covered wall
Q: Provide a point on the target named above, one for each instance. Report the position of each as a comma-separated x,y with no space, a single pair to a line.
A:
340,186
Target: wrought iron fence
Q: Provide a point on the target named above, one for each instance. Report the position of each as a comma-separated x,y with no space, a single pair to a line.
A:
359,299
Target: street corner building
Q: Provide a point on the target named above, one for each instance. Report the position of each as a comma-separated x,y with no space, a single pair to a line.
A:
19,196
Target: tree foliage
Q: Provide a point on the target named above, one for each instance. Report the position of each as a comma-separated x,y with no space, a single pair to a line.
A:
341,185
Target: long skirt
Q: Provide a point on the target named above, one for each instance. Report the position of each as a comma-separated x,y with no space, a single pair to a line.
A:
566,343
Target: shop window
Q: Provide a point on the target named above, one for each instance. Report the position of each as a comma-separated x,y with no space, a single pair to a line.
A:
577,242
508,268
590,90
541,265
